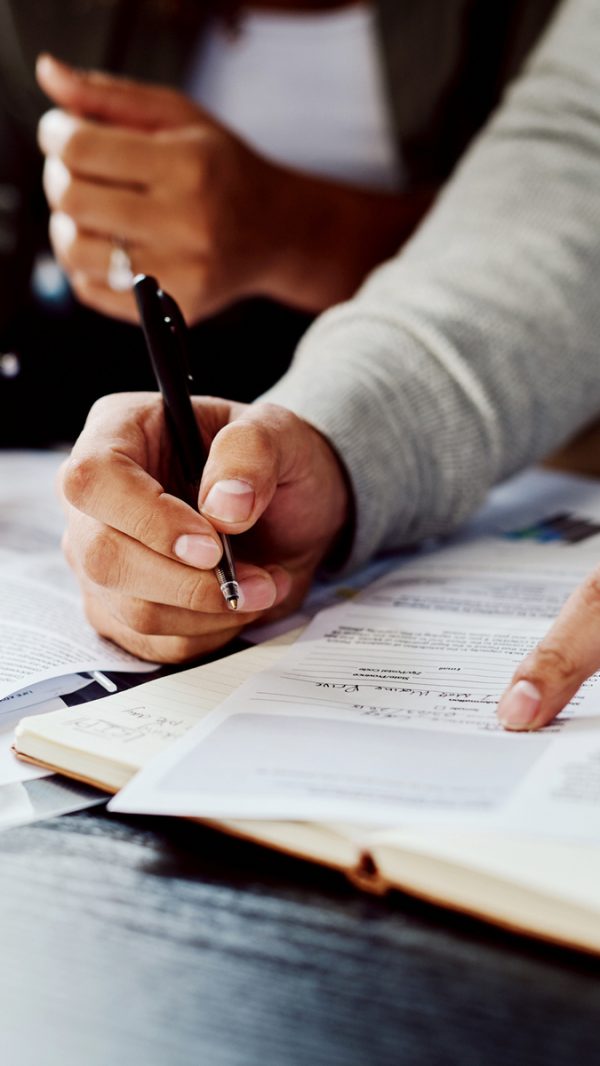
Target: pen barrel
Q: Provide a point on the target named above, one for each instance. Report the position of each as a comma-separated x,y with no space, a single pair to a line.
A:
165,332
225,571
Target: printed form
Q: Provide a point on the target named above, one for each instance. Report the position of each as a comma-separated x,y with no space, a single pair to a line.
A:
45,639
383,712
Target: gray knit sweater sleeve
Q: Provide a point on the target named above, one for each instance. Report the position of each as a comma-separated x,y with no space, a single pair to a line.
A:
477,349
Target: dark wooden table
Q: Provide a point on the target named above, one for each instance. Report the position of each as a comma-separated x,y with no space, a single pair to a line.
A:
158,943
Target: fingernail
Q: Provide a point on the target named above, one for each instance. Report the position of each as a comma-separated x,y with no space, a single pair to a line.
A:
46,63
197,550
62,229
54,130
229,501
520,706
56,178
257,593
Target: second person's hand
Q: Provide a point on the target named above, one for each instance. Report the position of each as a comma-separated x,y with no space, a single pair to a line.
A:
550,676
144,166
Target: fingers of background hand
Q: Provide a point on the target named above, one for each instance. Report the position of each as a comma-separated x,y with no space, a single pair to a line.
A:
77,251
87,254
103,479
108,153
113,99
116,563
550,676
187,280
164,649
247,461
101,298
99,208
86,257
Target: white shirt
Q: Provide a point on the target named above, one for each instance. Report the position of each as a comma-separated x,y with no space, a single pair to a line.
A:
305,90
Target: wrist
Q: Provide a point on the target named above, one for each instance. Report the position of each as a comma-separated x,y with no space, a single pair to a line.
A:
322,238
304,231
341,505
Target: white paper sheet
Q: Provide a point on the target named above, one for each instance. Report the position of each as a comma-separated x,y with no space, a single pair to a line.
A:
32,800
13,706
384,711
43,632
11,768
36,699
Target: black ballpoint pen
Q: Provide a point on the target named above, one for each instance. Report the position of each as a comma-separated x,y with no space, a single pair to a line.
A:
165,332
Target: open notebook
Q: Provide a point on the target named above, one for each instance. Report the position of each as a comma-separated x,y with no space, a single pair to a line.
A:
541,888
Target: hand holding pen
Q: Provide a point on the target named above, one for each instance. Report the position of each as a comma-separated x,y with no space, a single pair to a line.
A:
143,557
165,333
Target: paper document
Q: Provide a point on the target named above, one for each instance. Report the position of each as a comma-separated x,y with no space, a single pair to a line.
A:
37,699
33,800
119,734
383,712
43,631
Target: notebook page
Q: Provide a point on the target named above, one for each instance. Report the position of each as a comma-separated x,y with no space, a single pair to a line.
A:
132,726
568,871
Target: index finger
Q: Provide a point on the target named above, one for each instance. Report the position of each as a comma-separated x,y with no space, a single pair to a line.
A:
107,478
550,676
94,150
112,98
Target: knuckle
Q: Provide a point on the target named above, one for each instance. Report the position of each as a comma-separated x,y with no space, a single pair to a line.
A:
142,647
590,592
179,649
192,594
136,643
140,616
143,527
277,420
552,661
77,146
246,438
100,560
79,478
106,405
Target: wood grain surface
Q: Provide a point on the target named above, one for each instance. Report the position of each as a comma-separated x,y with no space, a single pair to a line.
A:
161,943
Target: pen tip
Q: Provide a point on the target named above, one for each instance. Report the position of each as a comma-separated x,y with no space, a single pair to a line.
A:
233,603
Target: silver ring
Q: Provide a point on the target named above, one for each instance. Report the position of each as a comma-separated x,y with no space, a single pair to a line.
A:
120,275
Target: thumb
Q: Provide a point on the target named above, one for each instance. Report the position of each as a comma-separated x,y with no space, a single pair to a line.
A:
247,462
551,675
118,101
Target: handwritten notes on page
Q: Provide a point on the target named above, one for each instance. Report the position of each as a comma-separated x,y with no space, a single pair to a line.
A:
383,712
109,740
